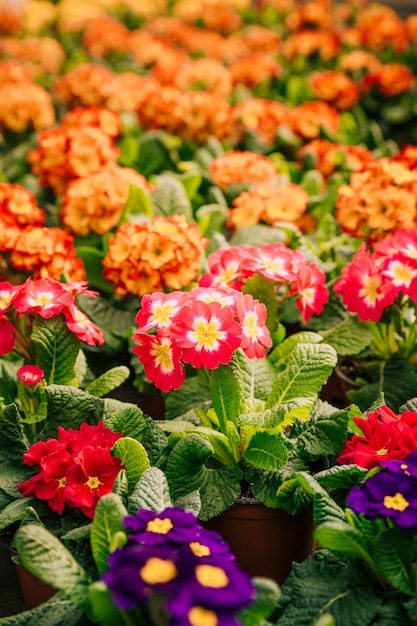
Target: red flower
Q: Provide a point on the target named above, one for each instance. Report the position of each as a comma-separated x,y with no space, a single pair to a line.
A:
90,477
45,296
30,374
207,334
7,341
255,335
385,437
97,435
161,360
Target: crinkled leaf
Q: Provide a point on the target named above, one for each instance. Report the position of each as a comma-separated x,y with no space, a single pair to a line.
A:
227,395
188,470
193,393
324,584
342,537
308,368
324,433
350,336
393,553
108,381
325,509
58,611
108,520
56,349
133,457
47,558
266,451
280,355
138,203
169,197
130,422
70,406
211,218
150,492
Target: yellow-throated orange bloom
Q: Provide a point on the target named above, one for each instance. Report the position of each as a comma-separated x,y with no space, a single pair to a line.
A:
42,55
66,153
147,48
253,68
25,106
312,14
411,27
124,92
281,201
106,120
207,74
381,27
158,255
359,61
95,202
390,79
104,35
380,198
329,157
19,207
336,88
308,118
46,252
216,15
323,43
86,84
241,167
261,116
13,72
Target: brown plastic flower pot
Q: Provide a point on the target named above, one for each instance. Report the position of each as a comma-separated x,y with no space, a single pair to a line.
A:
265,541
34,591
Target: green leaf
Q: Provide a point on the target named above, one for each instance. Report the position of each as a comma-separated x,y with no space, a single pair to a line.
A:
133,457
92,259
227,395
130,422
211,218
13,441
58,611
343,538
47,558
393,553
266,451
324,433
103,610
108,381
15,511
267,594
350,336
191,182
169,197
151,492
108,520
70,406
325,509
56,349
308,368
188,470
324,584
138,203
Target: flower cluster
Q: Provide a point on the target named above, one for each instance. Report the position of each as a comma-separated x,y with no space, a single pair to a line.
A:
155,255
21,305
242,167
170,558
386,437
75,470
202,327
379,199
375,279
289,271
389,493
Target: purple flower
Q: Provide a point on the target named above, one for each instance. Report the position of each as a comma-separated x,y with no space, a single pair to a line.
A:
189,615
215,583
391,492
407,465
209,543
136,571
172,524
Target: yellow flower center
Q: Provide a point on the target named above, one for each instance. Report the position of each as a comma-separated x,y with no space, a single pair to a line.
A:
62,482
162,313
157,571
163,358
198,549
382,451
369,291
251,325
402,274
397,502
206,333
93,482
159,526
211,576
199,616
